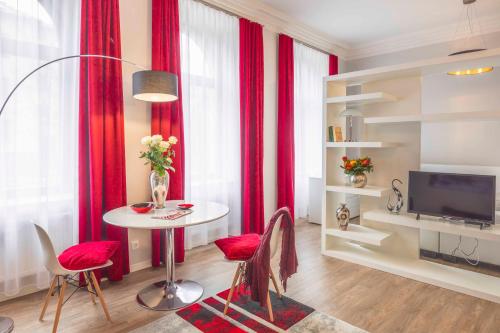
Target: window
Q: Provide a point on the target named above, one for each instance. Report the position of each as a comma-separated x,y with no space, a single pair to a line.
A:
38,136
310,67
210,88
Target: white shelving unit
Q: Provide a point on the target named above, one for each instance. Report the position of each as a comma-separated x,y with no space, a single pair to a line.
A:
436,117
433,224
373,144
376,97
359,233
384,241
368,190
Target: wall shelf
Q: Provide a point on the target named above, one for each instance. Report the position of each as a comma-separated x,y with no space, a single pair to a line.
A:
369,98
433,224
372,144
368,190
438,65
464,281
436,117
359,233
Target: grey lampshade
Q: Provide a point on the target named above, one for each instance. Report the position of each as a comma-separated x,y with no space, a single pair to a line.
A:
154,86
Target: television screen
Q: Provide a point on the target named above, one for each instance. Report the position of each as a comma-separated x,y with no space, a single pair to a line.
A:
468,197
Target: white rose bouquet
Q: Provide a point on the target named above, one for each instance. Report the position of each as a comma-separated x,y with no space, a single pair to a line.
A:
159,153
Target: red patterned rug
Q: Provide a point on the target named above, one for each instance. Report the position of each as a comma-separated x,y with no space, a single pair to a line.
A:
244,315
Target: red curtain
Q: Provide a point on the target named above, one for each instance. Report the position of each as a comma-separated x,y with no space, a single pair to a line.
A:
333,65
251,119
101,146
286,148
166,118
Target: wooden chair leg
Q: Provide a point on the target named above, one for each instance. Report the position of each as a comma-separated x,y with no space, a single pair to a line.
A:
240,280
47,298
60,302
270,307
231,291
89,286
275,283
100,295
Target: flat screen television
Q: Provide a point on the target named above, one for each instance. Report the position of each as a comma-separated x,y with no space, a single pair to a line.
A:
458,196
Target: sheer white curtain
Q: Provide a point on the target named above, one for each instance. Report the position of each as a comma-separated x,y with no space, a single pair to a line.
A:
210,88
38,136
310,66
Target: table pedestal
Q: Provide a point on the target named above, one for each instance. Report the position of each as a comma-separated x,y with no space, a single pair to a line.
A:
169,294
6,325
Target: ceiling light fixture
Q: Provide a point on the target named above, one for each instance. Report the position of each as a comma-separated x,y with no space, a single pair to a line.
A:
469,17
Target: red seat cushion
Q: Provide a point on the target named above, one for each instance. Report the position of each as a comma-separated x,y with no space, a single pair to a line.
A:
239,247
87,255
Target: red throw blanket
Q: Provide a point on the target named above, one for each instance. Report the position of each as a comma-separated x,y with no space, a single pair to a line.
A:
257,268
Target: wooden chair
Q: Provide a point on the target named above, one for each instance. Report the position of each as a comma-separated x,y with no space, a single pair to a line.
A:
238,275
59,272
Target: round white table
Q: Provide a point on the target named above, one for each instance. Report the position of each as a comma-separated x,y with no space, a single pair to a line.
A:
168,294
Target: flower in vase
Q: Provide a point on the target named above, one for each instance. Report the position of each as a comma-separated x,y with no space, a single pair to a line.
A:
146,141
164,145
159,153
156,139
172,140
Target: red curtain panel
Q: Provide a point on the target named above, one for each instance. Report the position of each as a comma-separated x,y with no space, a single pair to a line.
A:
101,146
333,64
286,149
166,118
251,120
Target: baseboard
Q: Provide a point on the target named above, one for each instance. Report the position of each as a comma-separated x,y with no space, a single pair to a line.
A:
30,289
140,265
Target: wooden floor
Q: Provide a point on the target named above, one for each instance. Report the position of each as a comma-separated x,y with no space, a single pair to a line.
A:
367,298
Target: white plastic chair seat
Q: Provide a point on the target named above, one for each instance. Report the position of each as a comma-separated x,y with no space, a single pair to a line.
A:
65,271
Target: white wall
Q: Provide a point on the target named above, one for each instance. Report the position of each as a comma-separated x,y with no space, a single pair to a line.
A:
135,19
468,147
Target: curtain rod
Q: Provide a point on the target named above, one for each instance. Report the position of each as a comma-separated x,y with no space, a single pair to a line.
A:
239,16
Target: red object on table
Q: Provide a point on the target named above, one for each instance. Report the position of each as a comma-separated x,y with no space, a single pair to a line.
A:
185,205
142,208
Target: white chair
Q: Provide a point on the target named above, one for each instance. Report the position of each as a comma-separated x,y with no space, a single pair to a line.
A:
54,267
276,236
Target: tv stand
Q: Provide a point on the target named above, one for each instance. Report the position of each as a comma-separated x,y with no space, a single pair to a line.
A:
418,217
482,225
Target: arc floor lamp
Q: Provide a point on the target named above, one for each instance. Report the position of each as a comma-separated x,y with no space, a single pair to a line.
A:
147,85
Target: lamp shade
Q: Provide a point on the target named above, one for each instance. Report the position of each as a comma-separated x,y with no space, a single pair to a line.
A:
154,86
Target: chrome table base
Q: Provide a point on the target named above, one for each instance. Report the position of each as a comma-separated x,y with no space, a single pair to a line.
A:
6,325
161,298
169,294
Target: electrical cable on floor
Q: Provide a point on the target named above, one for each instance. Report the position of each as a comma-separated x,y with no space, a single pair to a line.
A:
467,256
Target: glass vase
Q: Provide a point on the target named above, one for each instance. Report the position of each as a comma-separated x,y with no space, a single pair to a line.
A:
159,188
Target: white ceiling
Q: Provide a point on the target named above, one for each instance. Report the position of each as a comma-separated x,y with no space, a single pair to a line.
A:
357,23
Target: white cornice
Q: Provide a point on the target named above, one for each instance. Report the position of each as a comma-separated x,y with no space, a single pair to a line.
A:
417,39
279,22
276,21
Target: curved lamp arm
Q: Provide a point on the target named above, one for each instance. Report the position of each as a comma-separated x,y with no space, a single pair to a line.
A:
151,86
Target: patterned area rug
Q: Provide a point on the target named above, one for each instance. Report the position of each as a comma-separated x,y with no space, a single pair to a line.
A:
245,315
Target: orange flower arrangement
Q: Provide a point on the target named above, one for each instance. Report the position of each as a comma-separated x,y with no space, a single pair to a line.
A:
360,165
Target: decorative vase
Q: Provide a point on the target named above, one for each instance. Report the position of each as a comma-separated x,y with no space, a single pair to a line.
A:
159,188
358,180
343,215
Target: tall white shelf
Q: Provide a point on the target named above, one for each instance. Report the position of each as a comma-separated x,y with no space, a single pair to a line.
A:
390,98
